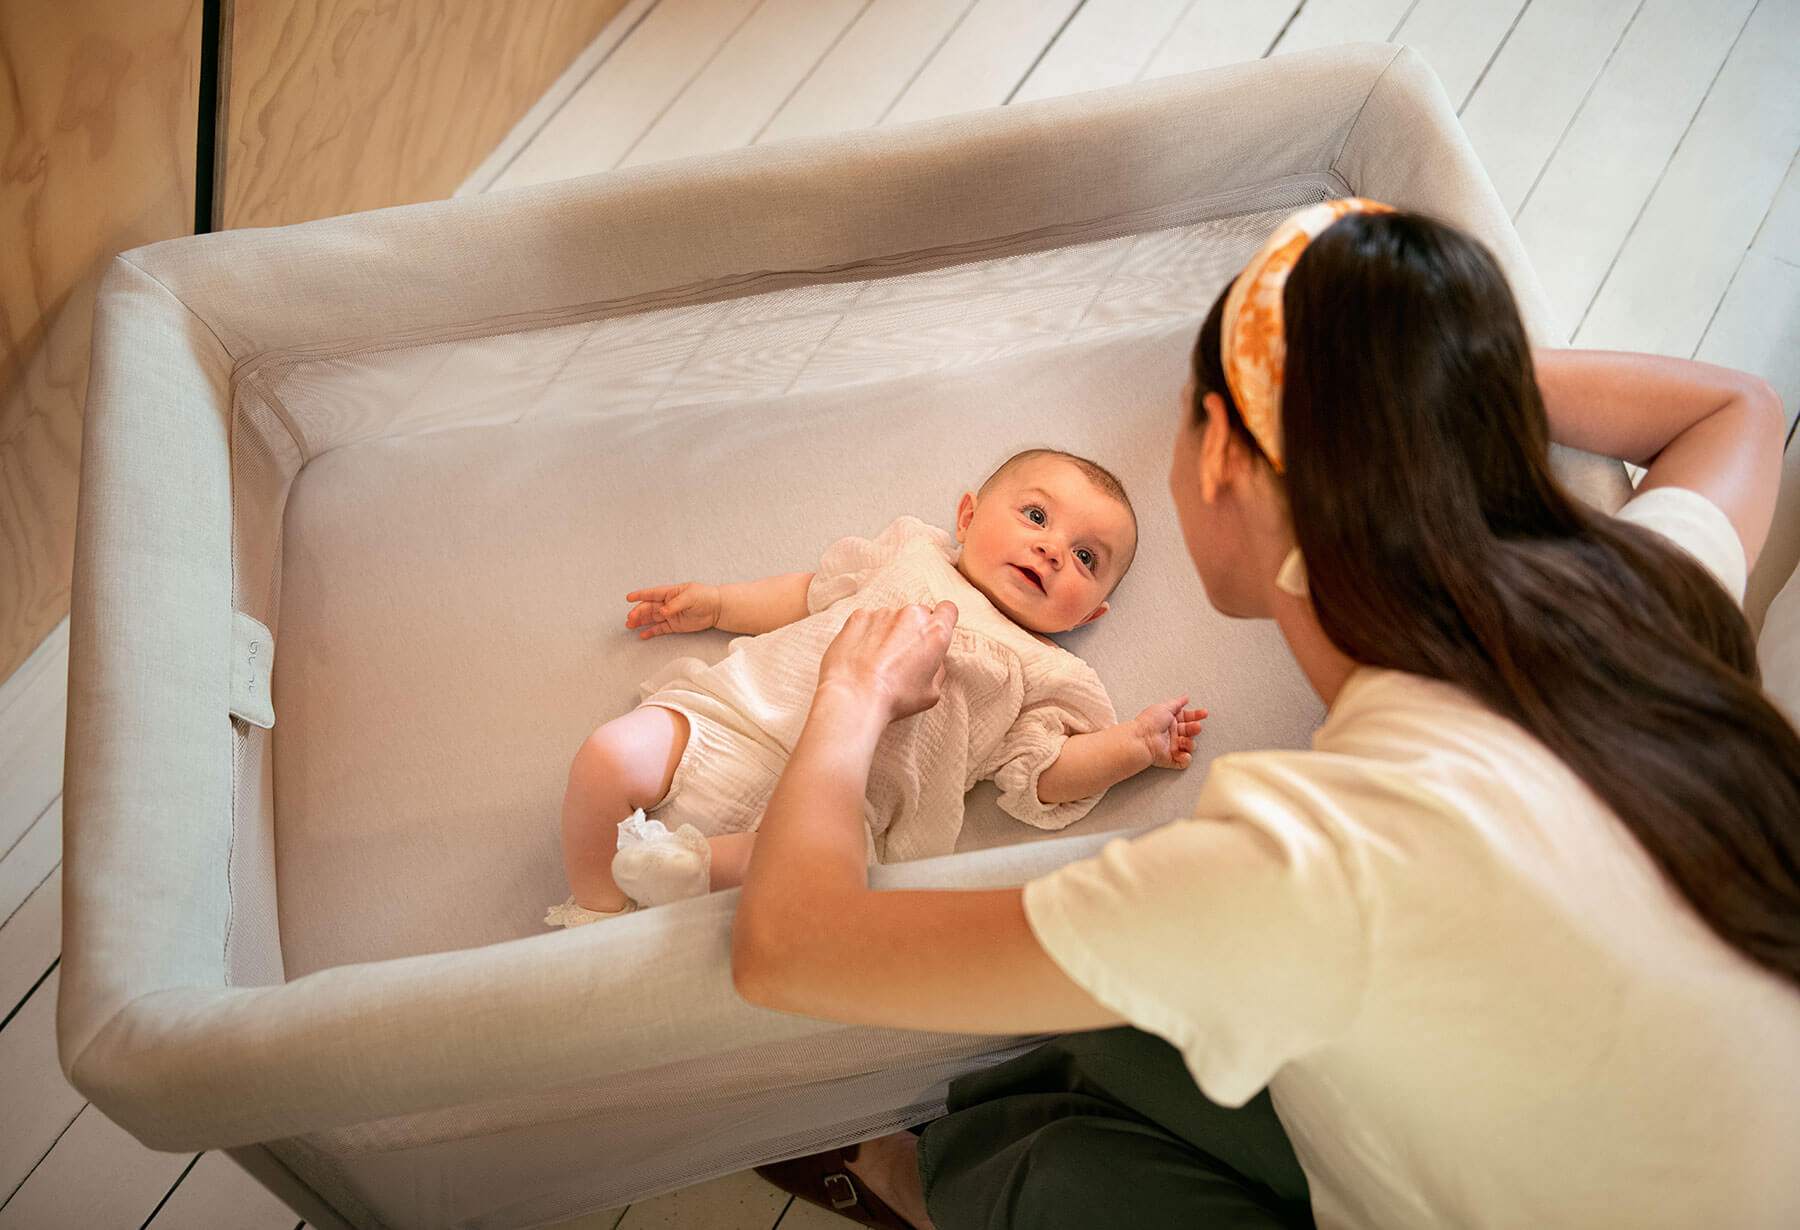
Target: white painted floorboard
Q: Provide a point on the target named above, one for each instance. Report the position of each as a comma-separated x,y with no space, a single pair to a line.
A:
1535,86
864,74
1647,147
1209,35
740,91
1459,38
1679,259
1612,155
63,1190
1320,23
33,709
984,59
217,1193
1107,42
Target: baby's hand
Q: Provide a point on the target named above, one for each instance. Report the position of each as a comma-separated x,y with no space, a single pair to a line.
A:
692,606
1168,731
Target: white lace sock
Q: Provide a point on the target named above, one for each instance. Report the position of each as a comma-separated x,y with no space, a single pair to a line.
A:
655,866
568,914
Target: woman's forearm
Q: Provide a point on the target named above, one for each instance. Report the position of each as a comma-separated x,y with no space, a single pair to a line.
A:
811,937
1695,425
812,838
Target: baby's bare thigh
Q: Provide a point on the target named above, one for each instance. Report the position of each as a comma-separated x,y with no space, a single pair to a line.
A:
641,750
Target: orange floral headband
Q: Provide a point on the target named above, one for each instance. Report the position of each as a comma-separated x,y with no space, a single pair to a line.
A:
1252,337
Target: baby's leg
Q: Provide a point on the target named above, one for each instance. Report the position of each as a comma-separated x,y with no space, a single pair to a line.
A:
626,764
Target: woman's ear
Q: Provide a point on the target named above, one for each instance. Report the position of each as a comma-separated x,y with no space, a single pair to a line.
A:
965,513
1215,447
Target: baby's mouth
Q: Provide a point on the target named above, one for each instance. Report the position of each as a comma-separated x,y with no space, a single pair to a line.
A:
1031,576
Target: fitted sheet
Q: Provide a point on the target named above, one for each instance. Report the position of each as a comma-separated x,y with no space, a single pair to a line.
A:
451,619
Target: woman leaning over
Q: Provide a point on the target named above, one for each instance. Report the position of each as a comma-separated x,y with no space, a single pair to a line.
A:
1516,943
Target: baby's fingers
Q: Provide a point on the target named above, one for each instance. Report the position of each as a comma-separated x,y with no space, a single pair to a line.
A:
647,613
1181,750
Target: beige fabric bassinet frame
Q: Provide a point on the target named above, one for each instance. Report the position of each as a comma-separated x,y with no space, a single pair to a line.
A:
515,1082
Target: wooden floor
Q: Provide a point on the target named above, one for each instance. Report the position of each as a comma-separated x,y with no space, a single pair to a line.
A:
1646,149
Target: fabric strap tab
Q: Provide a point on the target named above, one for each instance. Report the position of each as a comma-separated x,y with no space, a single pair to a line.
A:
252,663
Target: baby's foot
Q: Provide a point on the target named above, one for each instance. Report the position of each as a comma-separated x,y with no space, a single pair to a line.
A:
655,866
568,914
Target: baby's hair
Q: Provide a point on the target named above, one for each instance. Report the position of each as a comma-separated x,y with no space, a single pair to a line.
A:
1097,474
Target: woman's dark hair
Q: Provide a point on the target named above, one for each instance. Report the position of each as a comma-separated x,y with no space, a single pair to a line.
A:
1438,542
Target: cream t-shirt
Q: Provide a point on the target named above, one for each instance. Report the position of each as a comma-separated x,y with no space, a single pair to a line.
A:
1475,1000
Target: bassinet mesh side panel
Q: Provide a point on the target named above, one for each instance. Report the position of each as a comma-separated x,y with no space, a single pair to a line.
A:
615,360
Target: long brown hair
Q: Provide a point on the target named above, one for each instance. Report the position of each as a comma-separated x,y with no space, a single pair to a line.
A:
1438,542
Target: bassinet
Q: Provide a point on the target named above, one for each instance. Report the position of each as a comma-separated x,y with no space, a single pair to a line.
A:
419,455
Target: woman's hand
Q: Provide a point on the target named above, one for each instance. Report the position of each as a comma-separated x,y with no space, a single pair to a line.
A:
691,606
891,660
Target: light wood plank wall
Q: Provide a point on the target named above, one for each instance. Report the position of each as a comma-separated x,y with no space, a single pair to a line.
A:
335,106
98,111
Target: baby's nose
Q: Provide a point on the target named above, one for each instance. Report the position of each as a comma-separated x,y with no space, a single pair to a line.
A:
1048,551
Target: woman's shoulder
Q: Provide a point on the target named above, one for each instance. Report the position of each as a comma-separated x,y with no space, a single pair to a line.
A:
1401,745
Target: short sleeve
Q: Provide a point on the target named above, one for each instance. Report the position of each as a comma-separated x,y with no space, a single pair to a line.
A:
1074,703
848,563
1696,525
1240,937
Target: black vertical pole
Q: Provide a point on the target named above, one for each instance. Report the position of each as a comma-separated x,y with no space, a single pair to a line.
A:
206,155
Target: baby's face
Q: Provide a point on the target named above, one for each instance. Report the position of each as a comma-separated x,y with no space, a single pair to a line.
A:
1045,545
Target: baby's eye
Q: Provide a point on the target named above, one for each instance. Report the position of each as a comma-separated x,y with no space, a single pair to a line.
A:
1035,513
1086,557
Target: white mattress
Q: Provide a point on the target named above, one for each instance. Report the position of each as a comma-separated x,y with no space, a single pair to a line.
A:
451,620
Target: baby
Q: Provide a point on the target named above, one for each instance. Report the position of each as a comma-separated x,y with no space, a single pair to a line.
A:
1044,542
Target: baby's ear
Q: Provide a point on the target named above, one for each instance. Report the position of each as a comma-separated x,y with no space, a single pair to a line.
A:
965,513
1094,614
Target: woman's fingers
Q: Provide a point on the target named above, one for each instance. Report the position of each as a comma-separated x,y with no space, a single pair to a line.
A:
893,657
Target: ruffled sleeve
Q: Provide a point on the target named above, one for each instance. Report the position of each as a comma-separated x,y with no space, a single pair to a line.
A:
1068,700
849,562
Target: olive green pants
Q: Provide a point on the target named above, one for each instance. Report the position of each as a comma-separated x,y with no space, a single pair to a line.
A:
1105,1129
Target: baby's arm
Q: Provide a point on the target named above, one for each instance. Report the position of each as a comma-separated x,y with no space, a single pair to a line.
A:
747,607
1160,735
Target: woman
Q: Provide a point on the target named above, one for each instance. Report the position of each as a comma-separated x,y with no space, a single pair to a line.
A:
1518,942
